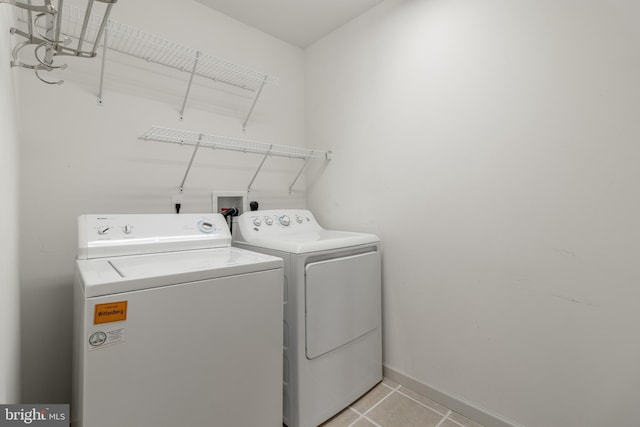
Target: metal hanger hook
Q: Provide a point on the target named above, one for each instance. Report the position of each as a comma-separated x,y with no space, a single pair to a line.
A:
35,24
38,68
45,65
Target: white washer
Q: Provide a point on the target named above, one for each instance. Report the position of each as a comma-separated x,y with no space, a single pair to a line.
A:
332,333
173,326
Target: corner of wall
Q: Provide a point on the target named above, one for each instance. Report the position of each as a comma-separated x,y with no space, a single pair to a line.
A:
9,263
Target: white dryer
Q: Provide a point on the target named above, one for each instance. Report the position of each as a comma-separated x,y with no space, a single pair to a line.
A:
173,326
332,311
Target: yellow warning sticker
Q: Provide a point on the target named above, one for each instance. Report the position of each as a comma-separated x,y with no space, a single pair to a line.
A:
110,312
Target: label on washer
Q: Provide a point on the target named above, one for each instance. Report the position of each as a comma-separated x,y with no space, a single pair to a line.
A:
110,312
105,338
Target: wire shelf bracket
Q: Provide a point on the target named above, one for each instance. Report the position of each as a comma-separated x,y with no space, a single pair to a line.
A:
104,54
200,140
152,48
193,156
186,95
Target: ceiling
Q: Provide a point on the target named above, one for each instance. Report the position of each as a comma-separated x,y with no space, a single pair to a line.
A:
299,22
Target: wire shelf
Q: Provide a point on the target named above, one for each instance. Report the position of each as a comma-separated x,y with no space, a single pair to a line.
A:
200,140
182,137
153,48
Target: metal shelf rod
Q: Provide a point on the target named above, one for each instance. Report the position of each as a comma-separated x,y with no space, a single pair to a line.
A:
85,24
193,156
304,165
103,24
244,124
104,57
58,19
259,167
186,95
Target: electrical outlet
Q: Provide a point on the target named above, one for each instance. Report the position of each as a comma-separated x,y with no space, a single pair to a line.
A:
176,200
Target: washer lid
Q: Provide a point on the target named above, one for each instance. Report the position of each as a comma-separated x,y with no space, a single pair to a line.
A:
105,276
293,231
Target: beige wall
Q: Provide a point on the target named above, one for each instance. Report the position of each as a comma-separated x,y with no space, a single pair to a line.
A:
9,272
493,146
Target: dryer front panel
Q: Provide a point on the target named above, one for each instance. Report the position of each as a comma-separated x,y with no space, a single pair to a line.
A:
342,301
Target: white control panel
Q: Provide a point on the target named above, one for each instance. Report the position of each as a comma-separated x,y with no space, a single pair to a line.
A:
114,235
294,231
276,222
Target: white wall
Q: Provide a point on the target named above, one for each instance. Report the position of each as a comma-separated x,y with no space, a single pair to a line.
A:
80,158
493,145
9,267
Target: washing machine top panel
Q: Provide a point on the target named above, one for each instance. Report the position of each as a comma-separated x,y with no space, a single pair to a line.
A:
106,276
294,231
114,235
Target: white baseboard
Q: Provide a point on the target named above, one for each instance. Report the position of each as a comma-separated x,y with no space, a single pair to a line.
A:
455,403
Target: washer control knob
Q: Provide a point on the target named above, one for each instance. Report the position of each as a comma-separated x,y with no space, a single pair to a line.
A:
127,229
268,220
206,226
284,220
104,230
298,219
257,222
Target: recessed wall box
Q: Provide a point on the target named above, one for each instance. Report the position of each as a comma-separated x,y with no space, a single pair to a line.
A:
223,200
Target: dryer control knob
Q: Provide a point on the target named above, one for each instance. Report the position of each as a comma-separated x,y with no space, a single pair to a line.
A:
284,220
257,222
268,220
127,229
298,219
104,230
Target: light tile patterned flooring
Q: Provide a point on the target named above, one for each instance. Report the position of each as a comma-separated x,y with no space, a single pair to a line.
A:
391,405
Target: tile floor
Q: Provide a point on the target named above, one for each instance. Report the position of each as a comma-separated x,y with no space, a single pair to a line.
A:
391,405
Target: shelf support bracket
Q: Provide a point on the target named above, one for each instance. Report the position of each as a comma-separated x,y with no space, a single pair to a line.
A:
259,167
253,105
56,36
304,165
193,156
83,32
46,8
186,95
104,60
